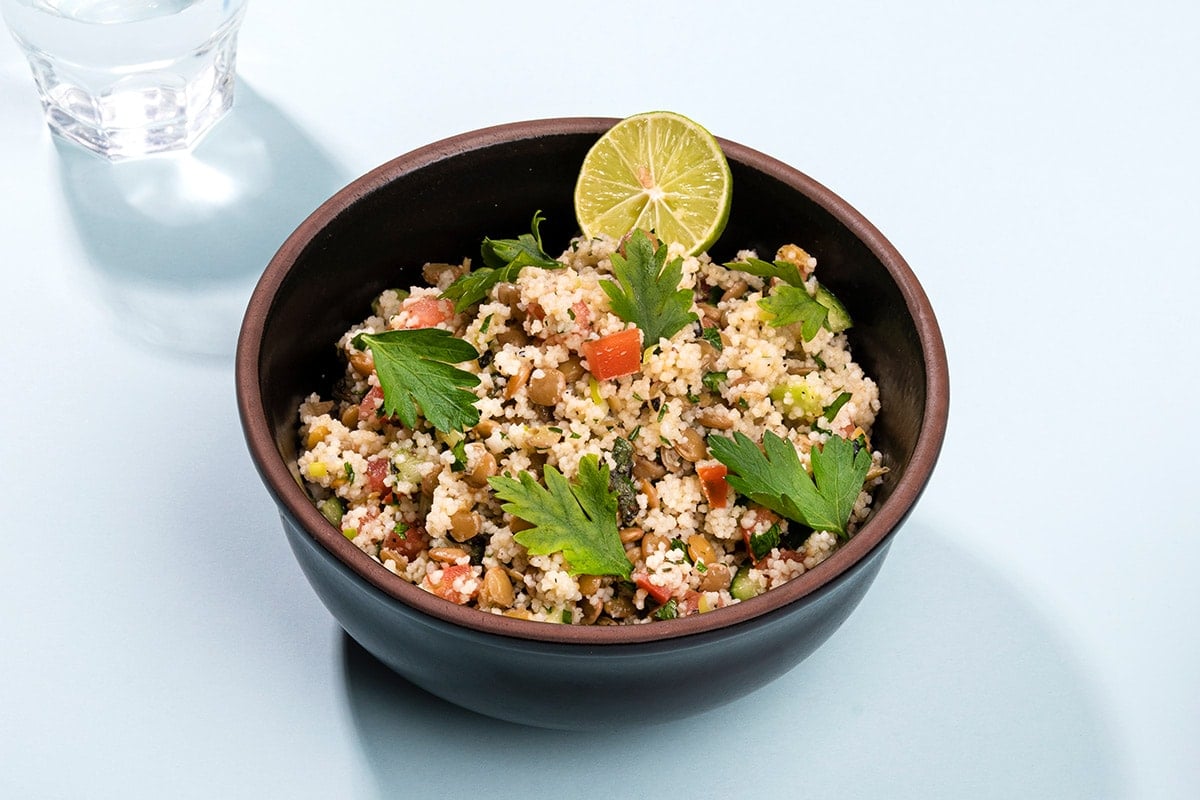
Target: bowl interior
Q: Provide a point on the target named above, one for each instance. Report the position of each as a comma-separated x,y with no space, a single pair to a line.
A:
437,204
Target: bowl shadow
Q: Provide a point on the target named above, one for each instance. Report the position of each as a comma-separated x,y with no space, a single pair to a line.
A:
962,689
176,242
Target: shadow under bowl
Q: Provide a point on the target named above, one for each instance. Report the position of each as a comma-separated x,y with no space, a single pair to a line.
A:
436,204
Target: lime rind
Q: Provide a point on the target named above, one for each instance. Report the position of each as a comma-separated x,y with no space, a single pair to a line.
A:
657,171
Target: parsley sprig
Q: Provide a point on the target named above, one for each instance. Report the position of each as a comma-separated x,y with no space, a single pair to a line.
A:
777,479
790,301
647,291
579,519
503,261
786,271
790,304
417,376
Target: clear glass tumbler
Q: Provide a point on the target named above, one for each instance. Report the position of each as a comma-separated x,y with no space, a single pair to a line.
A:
128,78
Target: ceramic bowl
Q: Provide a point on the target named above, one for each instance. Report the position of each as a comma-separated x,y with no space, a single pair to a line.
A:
436,204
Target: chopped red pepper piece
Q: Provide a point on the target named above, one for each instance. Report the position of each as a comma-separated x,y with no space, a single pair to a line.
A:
661,594
614,355
445,587
713,484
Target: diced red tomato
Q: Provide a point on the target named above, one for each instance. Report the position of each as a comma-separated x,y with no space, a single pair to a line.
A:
377,470
661,594
369,406
409,544
690,603
614,355
713,484
583,315
426,311
846,429
445,587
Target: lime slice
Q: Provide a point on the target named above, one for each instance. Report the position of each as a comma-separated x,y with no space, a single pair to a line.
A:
660,172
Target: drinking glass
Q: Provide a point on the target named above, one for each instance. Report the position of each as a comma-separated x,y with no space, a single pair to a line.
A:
128,78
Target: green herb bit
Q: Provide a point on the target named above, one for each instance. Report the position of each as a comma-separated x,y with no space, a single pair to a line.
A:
568,616
833,408
646,291
348,468
577,519
777,479
401,529
459,451
713,380
621,480
713,337
417,377
503,261
785,271
761,544
681,546
622,453
668,610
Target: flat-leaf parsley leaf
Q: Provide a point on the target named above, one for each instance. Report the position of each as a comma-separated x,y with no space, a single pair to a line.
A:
791,301
777,479
786,271
417,376
503,261
788,304
647,291
578,519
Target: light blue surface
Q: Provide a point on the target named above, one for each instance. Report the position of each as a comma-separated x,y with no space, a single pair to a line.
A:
1033,632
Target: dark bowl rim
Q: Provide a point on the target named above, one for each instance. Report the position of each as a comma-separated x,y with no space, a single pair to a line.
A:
292,499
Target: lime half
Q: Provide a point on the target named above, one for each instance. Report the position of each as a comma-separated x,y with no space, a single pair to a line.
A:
660,172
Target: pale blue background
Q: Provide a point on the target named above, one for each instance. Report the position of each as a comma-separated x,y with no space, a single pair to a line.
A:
1033,633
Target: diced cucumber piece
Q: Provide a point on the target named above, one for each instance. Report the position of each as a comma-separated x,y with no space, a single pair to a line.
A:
407,467
798,400
331,509
743,586
838,319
